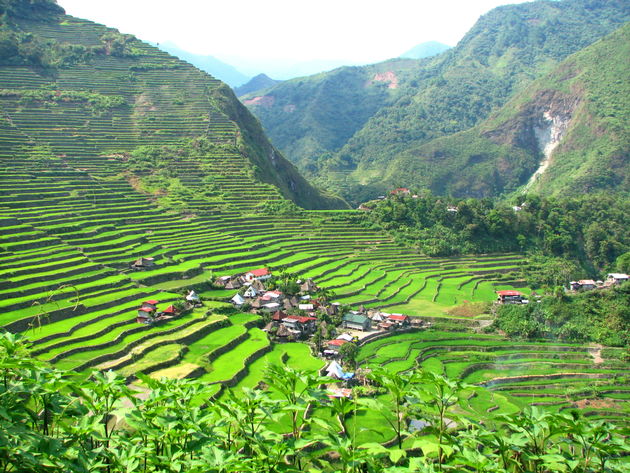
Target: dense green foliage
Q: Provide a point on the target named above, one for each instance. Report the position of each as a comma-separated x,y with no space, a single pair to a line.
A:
140,92
589,229
310,116
504,52
601,316
584,99
50,422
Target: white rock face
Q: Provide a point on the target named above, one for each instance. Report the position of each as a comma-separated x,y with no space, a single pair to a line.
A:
549,133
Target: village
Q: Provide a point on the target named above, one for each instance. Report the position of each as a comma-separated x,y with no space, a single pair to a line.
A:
293,309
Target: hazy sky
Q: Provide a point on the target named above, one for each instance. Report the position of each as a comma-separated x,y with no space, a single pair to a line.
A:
354,31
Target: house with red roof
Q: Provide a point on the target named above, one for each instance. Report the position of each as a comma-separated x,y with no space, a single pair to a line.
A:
400,191
510,296
300,324
170,310
279,316
151,304
260,274
145,315
336,344
399,319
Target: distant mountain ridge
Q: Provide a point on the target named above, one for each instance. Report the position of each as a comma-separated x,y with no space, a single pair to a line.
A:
260,82
426,49
213,66
504,51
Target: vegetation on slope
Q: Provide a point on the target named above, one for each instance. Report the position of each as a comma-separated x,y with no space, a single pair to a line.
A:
582,107
59,48
310,116
595,316
52,423
260,82
588,231
506,49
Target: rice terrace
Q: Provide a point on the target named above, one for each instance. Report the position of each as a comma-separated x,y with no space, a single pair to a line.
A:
156,245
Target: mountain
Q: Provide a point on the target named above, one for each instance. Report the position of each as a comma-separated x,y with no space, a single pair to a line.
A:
313,115
213,66
98,101
260,82
505,51
427,49
566,133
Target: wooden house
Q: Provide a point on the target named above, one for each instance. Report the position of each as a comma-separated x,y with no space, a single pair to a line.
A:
336,344
308,286
150,304
356,322
617,278
143,263
222,281
145,315
234,283
278,316
258,285
583,285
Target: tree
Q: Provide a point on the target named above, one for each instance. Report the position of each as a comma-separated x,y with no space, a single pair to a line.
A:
348,352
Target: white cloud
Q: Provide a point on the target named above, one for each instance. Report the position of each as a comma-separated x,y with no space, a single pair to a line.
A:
351,30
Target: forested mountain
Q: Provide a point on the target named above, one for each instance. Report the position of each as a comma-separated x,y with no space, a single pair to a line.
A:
72,89
568,132
309,116
260,82
504,52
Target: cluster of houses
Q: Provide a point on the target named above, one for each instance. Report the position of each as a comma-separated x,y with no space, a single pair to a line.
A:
149,313
613,279
298,316
254,295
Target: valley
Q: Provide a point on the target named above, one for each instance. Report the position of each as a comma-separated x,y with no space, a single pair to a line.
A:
149,226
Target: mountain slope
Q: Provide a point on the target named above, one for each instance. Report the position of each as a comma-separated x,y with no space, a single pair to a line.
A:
308,116
110,95
505,50
568,132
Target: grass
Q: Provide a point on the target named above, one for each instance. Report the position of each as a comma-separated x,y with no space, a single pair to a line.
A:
551,370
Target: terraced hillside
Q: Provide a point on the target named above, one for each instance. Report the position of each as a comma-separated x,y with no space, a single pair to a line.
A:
554,375
114,157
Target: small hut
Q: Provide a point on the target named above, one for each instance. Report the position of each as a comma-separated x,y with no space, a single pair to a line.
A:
143,263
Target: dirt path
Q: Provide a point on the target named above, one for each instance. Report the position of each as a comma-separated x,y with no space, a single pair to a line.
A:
596,352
